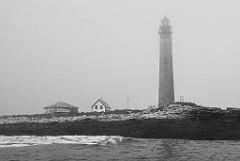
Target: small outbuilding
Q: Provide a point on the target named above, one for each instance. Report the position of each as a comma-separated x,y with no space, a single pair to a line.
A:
100,106
60,107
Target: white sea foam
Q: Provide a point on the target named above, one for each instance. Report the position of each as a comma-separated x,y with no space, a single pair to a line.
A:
20,141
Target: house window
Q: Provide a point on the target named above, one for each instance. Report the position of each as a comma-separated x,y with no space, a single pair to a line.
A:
96,107
101,107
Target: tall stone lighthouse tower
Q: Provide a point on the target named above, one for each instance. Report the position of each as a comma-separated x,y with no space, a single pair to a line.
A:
166,85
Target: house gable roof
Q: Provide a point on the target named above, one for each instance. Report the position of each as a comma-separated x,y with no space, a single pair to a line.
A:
103,103
61,105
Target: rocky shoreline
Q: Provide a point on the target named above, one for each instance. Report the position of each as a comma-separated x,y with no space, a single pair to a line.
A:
147,128
181,122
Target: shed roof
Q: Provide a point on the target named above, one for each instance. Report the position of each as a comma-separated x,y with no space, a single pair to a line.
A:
61,105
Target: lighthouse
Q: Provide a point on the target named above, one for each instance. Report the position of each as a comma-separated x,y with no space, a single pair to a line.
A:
166,82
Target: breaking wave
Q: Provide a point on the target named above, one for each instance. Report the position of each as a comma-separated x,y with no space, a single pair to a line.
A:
20,141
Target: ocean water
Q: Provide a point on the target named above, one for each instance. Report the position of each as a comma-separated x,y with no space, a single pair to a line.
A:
103,148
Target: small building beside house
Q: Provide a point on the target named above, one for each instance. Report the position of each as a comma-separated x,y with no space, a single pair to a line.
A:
60,107
100,106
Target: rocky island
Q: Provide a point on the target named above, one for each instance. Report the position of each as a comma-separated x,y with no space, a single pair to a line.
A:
178,120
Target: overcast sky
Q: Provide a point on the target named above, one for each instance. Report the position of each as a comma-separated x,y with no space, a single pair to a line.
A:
78,51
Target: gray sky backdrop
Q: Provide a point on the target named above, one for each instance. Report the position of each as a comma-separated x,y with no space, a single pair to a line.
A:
78,51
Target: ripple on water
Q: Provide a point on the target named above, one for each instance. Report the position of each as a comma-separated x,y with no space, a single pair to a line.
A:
114,148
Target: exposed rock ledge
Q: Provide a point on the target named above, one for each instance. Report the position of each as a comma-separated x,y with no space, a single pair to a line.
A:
176,121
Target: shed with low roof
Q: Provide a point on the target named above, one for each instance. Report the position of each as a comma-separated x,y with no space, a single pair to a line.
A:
60,107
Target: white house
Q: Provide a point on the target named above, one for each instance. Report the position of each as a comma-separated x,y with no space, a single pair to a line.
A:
100,106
